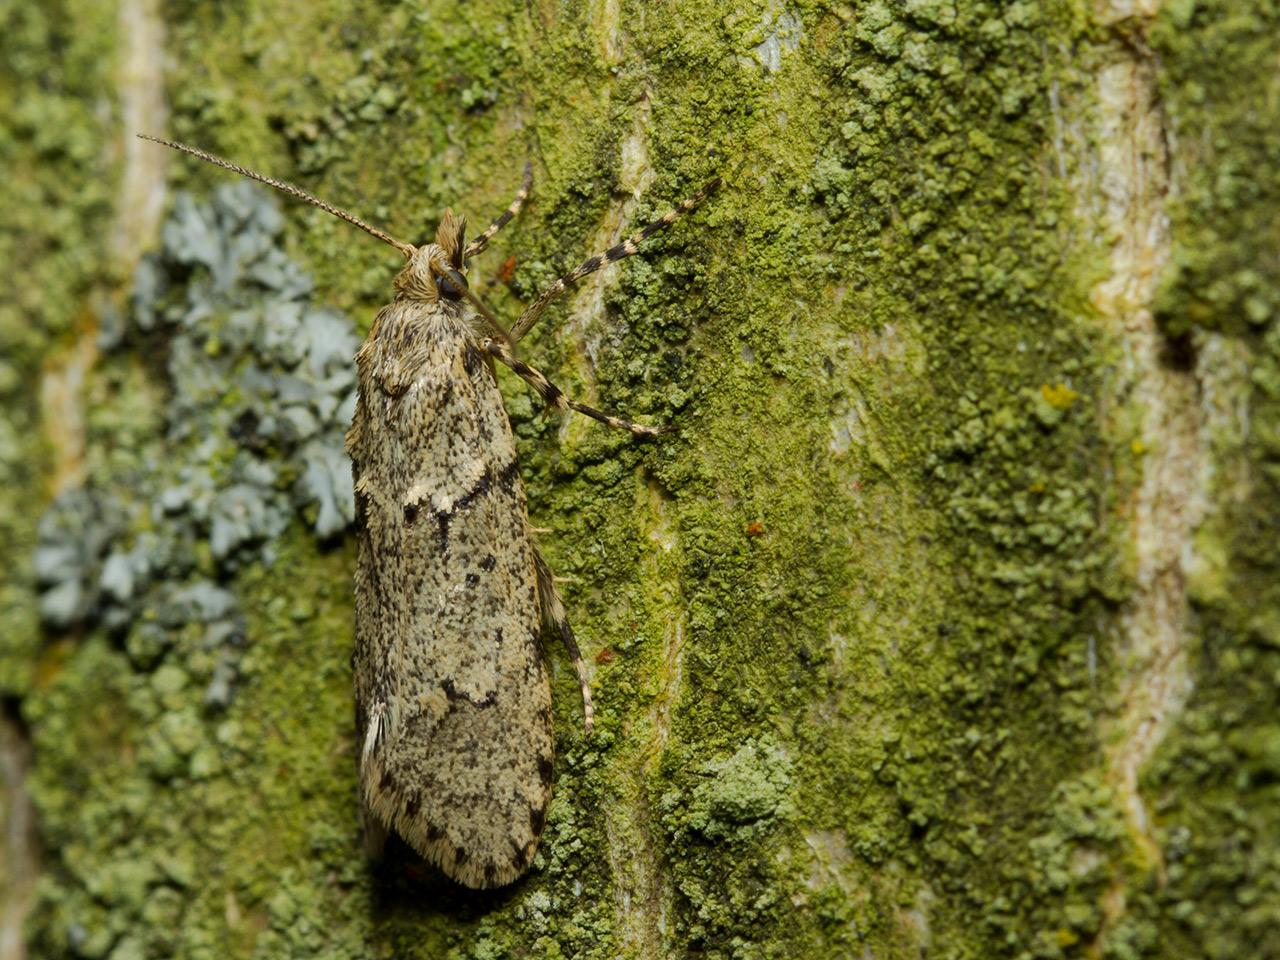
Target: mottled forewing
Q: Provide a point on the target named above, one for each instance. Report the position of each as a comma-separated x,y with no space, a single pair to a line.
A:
453,704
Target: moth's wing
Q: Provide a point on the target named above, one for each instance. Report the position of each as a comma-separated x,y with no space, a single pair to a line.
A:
375,833
453,699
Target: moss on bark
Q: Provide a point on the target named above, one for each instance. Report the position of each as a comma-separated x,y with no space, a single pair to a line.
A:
856,630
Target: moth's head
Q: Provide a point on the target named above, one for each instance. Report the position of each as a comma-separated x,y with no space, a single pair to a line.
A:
435,271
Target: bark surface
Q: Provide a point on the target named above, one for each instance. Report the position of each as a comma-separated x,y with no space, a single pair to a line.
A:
946,625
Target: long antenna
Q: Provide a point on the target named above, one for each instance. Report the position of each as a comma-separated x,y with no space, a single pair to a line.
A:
288,188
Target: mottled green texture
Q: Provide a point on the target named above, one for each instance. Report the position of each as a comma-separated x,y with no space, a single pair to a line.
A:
852,627
1215,783
55,204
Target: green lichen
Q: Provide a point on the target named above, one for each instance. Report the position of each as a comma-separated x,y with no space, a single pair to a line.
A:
851,625
1213,783
55,61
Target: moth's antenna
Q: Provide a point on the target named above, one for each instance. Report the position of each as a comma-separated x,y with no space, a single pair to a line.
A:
288,188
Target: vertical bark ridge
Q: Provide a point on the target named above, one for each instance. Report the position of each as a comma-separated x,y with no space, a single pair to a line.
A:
1132,151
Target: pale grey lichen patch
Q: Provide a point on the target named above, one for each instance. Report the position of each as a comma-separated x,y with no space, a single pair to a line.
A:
142,558
734,798
262,389
779,32
736,805
74,535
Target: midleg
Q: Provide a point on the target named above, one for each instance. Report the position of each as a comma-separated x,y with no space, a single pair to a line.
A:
554,397
553,615
626,248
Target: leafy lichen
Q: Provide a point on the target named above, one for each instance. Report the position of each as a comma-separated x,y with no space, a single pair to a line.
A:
851,626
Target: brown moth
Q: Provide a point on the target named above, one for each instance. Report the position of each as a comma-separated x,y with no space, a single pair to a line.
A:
453,702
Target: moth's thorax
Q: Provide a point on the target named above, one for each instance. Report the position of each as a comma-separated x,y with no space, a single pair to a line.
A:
410,336
410,321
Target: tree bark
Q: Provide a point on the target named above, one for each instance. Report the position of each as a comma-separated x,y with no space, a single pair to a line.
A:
947,623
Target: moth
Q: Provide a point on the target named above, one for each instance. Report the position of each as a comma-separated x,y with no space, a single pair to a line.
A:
453,599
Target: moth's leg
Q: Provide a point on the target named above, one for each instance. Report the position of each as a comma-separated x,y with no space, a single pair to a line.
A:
625,249
553,615
554,397
478,245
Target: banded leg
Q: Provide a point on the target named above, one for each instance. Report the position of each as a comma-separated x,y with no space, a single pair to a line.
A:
553,615
478,245
626,248
554,397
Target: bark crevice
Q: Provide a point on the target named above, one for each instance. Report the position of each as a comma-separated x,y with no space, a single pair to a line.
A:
1160,379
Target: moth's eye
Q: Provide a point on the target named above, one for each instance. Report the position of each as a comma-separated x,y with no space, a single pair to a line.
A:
451,285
